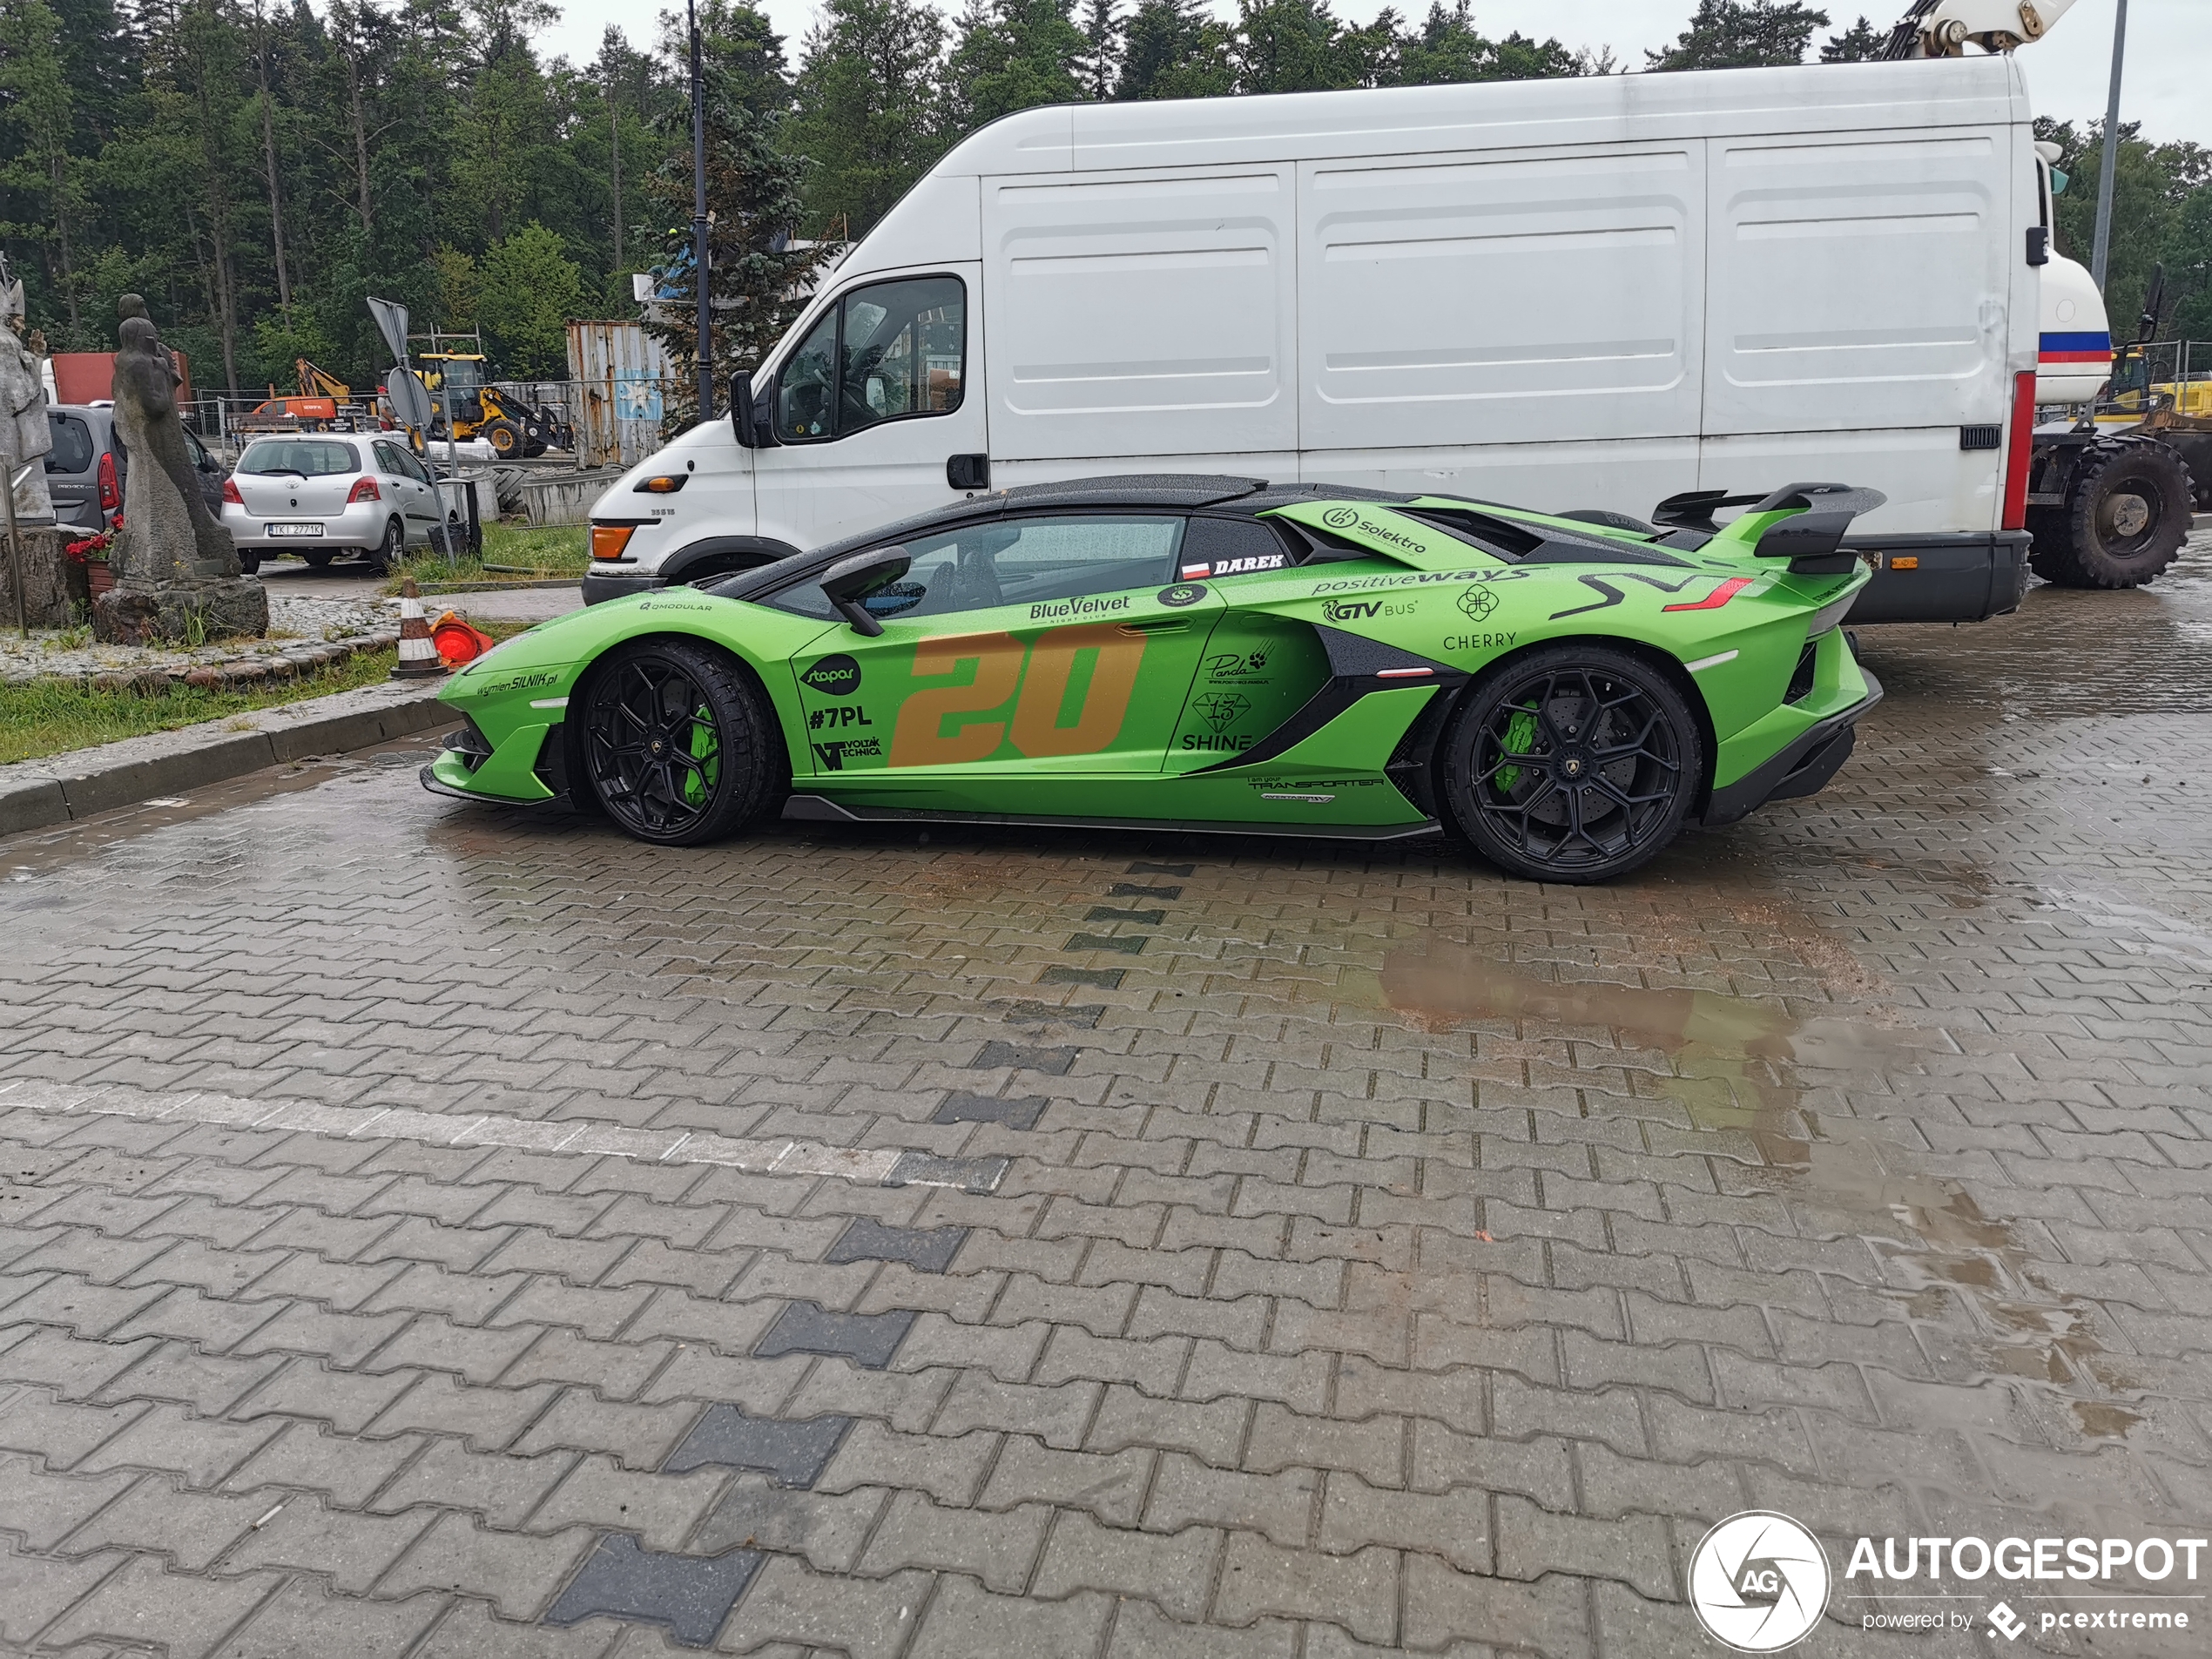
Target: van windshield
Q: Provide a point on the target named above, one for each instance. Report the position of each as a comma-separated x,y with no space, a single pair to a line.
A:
309,457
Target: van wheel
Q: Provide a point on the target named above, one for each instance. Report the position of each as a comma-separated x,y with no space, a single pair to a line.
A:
675,742
391,550
1575,764
2130,516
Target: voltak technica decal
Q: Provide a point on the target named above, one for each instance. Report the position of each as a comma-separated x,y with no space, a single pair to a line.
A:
1062,610
838,675
834,753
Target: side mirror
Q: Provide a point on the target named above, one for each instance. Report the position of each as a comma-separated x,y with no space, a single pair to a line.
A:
744,416
852,580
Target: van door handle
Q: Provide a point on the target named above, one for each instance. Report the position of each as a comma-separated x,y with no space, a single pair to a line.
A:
968,472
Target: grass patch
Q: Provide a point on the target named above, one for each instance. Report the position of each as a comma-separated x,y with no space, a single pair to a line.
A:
527,551
47,717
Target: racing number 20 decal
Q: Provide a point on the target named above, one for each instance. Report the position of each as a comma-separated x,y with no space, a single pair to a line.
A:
921,738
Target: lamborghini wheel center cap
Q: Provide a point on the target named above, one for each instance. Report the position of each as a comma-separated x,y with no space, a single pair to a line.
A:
1572,765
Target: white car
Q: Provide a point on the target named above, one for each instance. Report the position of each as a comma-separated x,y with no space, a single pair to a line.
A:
319,496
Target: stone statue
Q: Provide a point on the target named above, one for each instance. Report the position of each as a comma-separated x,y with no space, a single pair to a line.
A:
25,434
172,562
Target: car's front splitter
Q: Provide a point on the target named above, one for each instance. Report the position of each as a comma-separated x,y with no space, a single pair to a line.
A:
1800,767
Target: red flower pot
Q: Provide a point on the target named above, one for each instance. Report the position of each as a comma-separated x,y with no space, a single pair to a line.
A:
98,576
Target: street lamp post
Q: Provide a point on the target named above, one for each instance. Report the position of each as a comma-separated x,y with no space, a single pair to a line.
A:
2112,153
699,221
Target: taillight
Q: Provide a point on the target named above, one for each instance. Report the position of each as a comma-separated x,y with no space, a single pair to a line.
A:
364,489
2020,456
609,540
230,493
110,496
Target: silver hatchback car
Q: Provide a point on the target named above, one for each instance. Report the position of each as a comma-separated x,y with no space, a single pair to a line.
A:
323,496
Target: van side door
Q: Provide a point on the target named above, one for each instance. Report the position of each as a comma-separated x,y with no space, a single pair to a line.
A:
872,407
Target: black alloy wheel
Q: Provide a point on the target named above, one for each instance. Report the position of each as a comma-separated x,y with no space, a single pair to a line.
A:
1575,764
675,742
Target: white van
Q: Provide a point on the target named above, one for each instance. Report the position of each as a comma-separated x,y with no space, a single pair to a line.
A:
1591,293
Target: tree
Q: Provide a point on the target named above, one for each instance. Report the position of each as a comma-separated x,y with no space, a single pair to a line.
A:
1173,49
866,100
1860,44
759,272
1010,55
528,288
37,115
1446,49
1741,34
1100,64
1292,46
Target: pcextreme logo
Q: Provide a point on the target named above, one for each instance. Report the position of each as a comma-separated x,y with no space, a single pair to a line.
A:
1758,1582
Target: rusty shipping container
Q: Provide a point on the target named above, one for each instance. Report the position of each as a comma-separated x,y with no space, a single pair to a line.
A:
619,372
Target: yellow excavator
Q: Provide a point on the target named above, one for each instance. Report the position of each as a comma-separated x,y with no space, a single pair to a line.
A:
512,427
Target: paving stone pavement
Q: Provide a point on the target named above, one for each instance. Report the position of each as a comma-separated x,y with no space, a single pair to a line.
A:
1386,1256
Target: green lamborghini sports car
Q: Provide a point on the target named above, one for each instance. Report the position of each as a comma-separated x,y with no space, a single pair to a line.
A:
1211,654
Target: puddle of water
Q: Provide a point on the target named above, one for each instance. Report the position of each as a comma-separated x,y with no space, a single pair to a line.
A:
1738,1065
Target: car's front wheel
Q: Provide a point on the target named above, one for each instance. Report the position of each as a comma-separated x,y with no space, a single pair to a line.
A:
676,742
1575,764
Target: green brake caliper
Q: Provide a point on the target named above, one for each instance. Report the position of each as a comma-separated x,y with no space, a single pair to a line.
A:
695,783
1519,732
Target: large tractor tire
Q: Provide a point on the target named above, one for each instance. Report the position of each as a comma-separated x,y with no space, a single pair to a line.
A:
2128,515
505,438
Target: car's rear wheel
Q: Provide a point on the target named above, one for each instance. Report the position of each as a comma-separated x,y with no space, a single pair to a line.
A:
391,549
676,743
1575,764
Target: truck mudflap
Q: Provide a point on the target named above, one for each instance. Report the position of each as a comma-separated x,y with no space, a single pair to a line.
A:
1962,578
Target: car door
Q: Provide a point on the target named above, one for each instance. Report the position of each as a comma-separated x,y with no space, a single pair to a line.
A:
400,474
1024,662
869,410
207,472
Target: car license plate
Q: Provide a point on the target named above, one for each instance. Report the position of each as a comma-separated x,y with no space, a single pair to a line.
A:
295,529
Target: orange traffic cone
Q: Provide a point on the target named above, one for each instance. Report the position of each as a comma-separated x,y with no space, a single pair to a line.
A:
457,642
418,654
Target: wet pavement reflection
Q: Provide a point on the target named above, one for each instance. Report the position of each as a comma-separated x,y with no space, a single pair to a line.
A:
1852,1163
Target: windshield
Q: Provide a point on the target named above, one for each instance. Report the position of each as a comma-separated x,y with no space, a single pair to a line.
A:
309,457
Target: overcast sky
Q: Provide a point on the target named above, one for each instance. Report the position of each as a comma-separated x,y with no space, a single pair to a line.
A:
2170,44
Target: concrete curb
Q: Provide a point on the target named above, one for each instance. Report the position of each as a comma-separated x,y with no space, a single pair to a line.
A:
37,794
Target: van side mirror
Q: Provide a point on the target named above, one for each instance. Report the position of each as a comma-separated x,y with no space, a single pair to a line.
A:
744,415
852,580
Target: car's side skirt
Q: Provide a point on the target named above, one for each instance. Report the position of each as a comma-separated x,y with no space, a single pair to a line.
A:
819,809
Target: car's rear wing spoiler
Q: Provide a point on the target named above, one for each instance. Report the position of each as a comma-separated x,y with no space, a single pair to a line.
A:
1803,524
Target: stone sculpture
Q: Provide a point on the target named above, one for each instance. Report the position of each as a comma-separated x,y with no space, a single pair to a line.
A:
176,574
25,434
